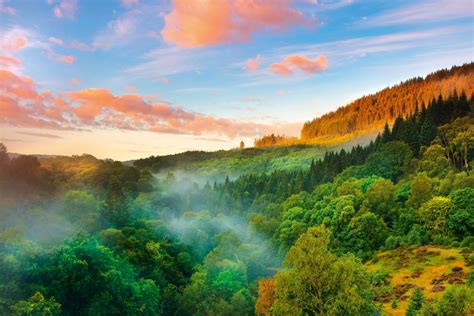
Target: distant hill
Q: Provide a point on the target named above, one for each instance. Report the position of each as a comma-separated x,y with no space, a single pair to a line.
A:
369,113
39,156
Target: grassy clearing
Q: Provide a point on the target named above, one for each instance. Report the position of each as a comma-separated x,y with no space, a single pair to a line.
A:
434,269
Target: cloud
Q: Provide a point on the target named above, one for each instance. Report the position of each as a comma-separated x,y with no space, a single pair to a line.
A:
130,89
423,12
252,65
67,59
65,8
80,46
14,39
40,135
301,63
22,105
9,61
198,23
75,82
56,40
4,8
118,32
130,3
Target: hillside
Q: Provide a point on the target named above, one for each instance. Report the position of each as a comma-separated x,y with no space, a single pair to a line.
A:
219,164
433,269
370,112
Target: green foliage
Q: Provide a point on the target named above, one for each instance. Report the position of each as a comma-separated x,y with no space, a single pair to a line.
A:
162,244
416,302
456,301
433,215
391,161
37,305
102,283
315,281
461,215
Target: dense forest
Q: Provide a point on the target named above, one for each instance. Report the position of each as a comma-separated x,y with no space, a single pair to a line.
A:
83,236
373,111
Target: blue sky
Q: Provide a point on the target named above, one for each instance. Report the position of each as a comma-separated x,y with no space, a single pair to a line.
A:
306,58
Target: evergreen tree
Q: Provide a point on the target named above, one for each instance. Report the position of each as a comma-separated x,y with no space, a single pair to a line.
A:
428,132
415,303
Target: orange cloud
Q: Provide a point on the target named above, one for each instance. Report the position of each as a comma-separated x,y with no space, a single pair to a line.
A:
130,89
22,105
301,63
9,61
253,64
67,59
197,23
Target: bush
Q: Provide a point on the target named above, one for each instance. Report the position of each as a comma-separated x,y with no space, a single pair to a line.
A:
468,242
393,242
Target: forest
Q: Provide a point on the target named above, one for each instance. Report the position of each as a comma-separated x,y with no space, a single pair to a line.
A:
84,236
371,112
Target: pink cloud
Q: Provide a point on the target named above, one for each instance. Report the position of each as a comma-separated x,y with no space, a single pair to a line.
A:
56,40
75,82
253,64
65,9
22,105
67,59
197,23
299,63
9,61
129,3
164,80
13,44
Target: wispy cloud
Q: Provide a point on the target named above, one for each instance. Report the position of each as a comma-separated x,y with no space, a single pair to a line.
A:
44,135
423,12
64,8
6,9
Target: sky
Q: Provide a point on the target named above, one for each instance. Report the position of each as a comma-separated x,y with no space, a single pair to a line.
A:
126,79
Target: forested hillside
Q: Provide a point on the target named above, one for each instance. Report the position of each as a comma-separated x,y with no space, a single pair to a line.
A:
382,228
373,111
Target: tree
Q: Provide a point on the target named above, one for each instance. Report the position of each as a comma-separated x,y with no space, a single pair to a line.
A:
37,305
428,132
242,144
421,191
415,303
390,161
380,199
266,296
316,281
86,277
434,162
366,233
433,215
461,216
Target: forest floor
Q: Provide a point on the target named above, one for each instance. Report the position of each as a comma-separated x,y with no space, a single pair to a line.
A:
430,268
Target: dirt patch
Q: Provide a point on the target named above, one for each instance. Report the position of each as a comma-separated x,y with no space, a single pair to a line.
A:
438,288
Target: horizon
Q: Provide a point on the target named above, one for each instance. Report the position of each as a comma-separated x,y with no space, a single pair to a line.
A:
121,80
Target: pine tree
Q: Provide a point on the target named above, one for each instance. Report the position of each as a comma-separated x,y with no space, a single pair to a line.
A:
416,302
428,132
386,135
